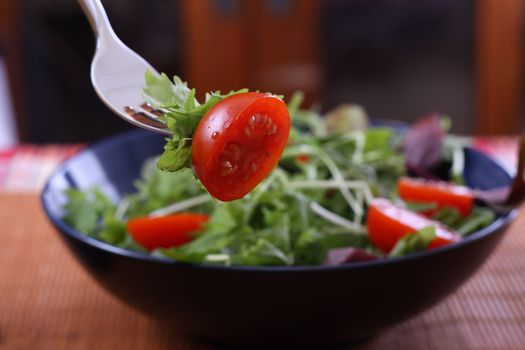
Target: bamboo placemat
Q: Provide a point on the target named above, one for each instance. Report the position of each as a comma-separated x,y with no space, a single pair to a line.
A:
47,301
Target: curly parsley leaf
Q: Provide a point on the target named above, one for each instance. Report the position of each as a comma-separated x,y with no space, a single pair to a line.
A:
93,212
183,113
478,219
80,213
161,92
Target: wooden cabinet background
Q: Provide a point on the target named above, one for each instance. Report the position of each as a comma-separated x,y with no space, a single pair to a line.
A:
277,45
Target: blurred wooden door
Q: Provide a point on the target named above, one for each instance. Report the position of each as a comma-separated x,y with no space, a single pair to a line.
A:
500,46
275,46
258,44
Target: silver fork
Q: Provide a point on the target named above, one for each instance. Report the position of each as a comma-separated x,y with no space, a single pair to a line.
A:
117,73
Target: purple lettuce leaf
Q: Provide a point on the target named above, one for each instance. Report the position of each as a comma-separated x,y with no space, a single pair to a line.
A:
422,145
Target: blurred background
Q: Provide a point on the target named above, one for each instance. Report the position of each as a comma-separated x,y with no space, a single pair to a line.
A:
398,58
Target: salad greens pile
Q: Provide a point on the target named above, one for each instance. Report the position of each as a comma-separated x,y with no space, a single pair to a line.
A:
312,204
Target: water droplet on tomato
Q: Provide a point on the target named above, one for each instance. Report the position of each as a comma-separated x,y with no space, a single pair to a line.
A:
214,135
253,119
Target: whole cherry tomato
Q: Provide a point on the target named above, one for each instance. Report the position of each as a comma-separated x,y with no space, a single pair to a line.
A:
238,142
388,223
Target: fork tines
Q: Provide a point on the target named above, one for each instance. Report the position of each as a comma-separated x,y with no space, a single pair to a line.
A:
149,108
148,115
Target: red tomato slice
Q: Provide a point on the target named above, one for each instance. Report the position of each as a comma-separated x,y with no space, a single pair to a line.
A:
165,231
388,223
238,142
439,192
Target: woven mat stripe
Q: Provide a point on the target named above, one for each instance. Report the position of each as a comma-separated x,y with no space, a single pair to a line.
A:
488,312
49,302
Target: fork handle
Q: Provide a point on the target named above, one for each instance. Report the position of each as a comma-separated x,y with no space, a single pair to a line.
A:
98,19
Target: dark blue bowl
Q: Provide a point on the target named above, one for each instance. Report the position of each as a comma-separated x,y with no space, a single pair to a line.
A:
263,307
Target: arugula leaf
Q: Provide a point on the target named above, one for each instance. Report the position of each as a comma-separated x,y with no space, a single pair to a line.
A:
314,245
476,220
309,248
223,220
479,218
263,252
304,120
220,235
414,242
197,250
421,207
295,102
448,216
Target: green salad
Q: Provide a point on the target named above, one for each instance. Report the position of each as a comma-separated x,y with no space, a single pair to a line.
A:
343,191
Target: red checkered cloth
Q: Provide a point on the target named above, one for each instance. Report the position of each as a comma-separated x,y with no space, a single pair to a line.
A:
25,168
503,149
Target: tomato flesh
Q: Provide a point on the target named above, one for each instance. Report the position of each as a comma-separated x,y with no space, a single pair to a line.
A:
165,231
238,142
439,192
388,223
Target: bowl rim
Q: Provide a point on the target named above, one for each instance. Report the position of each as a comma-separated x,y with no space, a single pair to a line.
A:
499,224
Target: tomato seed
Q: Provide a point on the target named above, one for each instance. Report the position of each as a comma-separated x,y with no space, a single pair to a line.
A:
227,168
232,151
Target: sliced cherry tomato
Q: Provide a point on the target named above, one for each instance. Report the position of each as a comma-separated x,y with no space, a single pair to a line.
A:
238,142
388,223
165,231
439,192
